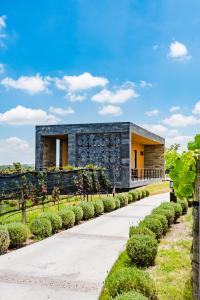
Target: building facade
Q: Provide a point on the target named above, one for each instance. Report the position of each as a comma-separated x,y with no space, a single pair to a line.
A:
133,155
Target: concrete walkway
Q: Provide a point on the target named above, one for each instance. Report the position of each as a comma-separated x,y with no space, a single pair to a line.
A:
72,264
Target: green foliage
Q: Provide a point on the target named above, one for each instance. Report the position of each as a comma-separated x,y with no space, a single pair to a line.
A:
117,202
195,145
109,204
104,181
134,195
123,198
163,220
147,193
4,239
153,224
168,213
130,198
131,279
184,205
78,212
18,234
41,228
143,193
142,250
68,218
55,220
88,210
131,296
98,208
178,210
140,230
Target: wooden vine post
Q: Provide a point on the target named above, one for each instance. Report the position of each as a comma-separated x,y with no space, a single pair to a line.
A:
195,247
23,200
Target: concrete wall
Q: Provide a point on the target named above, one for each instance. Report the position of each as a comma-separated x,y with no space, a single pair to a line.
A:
154,156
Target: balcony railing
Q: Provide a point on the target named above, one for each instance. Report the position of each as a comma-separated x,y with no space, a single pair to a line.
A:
145,174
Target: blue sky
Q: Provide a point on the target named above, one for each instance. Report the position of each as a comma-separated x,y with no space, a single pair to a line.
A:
78,61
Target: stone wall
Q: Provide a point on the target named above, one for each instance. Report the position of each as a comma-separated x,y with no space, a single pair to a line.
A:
154,156
48,152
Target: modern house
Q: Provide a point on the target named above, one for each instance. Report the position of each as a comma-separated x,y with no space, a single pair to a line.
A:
133,155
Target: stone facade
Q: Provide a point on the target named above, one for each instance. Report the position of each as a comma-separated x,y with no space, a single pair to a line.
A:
102,144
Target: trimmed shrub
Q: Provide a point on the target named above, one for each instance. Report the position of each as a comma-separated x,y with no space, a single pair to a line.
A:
109,204
134,195
98,208
68,218
140,230
178,209
129,279
168,213
184,205
41,227
163,220
153,224
55,219
117,203
147,193
123,198
142,250
131,296
167,205
143,193
18,234
139,194
130,198
78,212
4,239
88,210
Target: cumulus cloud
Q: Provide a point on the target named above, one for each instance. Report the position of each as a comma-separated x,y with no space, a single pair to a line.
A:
161,130
179,139
2,68
144,84
80,82
179,120
2,22
196,109
118,96
174,109
178,51
30,84
74,97
14,149
110,110
61,111
21,115
152,113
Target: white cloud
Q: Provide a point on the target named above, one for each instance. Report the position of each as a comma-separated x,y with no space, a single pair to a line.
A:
161,130
2,68
80,82
152,113
21,115
110,110
14,149
178,51
179,120
174,108
144,84
61,111
74,97
30,84
196,109
179,139
2,22
119,96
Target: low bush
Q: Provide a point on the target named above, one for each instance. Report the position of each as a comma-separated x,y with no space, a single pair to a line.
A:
143,193
147,193
98,207
184,205
117,203
131,296
153,224
178,210
142,250
18,234
4,239
130,198
41,228
78,212
168,213
68,218
109,204
128,279
88,210
134,195
163,220
55,220
123,198
140,230
167,205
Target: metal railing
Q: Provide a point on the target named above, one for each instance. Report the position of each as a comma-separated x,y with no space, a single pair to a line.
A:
146,173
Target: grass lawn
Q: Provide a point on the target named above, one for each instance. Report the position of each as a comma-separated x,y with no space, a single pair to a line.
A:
158,188
172,271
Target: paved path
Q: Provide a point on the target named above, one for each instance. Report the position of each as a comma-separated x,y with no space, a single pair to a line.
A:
72,264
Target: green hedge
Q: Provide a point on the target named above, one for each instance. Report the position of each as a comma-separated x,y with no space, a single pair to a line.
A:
117,203
134,195
68,218
142,250
78,212
123,198
153,224
88,210
184,204
140,230
168,213
131,296
4,239
109,204
18,234
55,220
41,228
130,279
178,210
98,207
163,220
